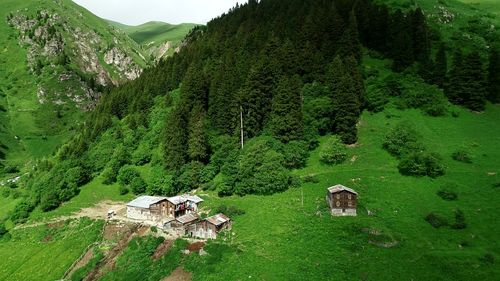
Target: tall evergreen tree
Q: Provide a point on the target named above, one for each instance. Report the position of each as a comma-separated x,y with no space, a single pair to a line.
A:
346,104
349,44
400,41
286,119
475,88
194,89
494,76
440,67
176,139
421,43
197,142
454,86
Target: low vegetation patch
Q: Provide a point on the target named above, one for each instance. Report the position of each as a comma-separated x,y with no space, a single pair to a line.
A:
462,156
436,220
333,151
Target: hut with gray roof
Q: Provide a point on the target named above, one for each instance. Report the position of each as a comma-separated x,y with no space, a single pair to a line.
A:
157,208
342,200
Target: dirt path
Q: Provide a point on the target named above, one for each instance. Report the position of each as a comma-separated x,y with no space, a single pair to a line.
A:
98,211
162,249
179,274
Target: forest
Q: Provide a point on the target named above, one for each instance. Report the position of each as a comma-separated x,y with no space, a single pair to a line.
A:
246,100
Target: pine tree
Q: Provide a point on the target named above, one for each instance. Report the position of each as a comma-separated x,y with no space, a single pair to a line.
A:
346,104
400,41
440,67
176,138
197,142
349,44
494,76
194,89
475,88
286,118
421,43
454,85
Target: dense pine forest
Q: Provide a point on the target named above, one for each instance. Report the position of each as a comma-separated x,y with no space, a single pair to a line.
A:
258,86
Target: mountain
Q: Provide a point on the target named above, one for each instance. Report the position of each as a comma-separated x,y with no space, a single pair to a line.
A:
259,113
57,59
158,38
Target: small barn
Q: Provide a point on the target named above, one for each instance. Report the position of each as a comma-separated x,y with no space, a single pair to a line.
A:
342,200
210,227
179,226
151,208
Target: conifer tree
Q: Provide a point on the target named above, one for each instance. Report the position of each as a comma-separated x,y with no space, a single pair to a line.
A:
194,89
494,76
475,90
400,41
421,43
440,67
454,85
286,118
349,44
176,139
346,104
197,143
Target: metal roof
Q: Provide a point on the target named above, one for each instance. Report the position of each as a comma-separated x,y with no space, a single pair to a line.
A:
339,188
176,200
145,201
218,219
187,218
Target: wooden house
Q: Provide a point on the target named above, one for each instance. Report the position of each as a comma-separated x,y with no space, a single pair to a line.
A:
151,208
210,227
342,200
183,204
179,226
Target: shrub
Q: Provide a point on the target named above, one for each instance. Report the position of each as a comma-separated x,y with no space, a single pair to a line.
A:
311,178
488,258
126,174
295,154
230,211
402,139
138,185
3,230
9,169
446,193
22,211
422,164
49,201
333,151
459,220
462,156
189,177
77,176
436,220
5,192
123,190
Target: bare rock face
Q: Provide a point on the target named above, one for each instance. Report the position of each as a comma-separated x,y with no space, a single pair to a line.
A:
51,42
123,63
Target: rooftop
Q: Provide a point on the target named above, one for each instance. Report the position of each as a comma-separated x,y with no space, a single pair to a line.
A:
145,201
339,188
218,219
176,200
187,218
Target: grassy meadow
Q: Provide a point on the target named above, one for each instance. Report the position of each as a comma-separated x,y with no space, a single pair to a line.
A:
45,252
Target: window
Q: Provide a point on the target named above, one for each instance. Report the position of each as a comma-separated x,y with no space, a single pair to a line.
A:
349,203
337,203
349,196
338,196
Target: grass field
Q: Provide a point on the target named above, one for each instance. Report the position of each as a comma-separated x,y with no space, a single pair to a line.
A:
45,252
492,6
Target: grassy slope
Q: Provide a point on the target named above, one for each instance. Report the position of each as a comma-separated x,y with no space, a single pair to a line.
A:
46,252
492,6
155,33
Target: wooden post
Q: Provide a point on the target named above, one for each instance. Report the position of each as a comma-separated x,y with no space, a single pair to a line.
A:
241,126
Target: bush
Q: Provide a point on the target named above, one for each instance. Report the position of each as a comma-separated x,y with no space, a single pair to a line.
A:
488,258
459,220
49,201
5,192
189,177
230,211
3,230
22,211
126,174
402,140
462,156
422,164
123,190
333,151
138,185
295,154
77,176
311,178
10,169
446,193
436,220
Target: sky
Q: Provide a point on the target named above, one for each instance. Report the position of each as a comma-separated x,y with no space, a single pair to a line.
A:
135,12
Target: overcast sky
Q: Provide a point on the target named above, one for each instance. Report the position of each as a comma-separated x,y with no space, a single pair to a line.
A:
135,12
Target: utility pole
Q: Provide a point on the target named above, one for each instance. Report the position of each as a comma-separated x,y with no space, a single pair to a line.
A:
241,126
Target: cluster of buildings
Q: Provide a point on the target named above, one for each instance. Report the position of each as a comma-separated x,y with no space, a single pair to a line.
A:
177,215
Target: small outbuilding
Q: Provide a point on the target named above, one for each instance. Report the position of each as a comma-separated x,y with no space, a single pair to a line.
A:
342,200
151,208
210,227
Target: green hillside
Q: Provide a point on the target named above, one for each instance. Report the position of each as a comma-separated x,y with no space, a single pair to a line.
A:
154,36
55,74
400,105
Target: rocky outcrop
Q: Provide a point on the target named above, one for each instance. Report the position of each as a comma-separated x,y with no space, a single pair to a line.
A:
52,41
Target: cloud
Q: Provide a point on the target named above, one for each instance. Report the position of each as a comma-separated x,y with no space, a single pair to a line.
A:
135,12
